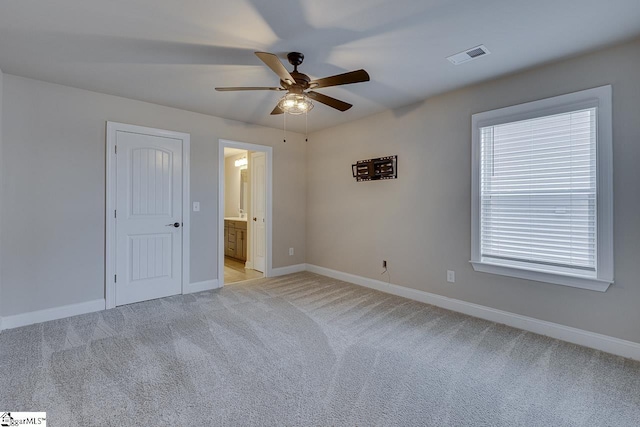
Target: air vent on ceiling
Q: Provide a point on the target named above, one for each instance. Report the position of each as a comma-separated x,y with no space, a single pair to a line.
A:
469,54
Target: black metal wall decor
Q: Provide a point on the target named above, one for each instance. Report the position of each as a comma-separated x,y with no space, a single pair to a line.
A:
375,169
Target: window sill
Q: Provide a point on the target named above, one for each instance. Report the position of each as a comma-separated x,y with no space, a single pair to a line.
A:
592,284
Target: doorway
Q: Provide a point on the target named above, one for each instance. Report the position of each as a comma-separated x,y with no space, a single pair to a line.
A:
147,210
244,211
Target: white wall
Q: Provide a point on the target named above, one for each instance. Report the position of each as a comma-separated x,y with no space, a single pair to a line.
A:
53,176
420,222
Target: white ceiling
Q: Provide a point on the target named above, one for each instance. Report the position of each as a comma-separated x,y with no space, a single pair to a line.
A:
229,151
175,52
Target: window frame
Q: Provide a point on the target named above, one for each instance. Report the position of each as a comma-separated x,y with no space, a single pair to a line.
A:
601,99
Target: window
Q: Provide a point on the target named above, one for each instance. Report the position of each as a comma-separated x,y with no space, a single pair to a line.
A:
542,190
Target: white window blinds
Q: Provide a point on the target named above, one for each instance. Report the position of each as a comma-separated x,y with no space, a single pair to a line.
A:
538,192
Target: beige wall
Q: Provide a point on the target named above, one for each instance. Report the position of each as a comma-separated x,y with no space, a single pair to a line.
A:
420,222
1,186
53,175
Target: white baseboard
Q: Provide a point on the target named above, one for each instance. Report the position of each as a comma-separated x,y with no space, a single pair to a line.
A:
601,342
24,319
289,269
205,285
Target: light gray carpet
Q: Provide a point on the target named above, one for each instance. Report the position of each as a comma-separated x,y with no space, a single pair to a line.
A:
306,350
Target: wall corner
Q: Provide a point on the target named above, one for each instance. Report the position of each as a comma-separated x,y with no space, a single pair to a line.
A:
1,185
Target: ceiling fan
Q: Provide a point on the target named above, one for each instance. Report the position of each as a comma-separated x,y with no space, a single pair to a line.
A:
298,85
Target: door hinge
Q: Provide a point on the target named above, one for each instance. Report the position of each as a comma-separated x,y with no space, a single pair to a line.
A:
115,278
115,213
116,148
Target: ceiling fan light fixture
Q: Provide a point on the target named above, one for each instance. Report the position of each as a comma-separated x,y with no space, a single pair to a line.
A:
295,103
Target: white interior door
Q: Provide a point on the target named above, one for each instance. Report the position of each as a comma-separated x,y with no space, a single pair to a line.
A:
259,209
148,217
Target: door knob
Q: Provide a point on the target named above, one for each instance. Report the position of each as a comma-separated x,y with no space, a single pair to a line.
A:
255,219
175,224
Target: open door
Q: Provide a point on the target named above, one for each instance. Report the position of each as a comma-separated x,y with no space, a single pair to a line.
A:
258,209
259,224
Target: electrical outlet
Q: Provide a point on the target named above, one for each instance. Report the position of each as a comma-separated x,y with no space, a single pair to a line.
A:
290,251
196,206
451,276
384,263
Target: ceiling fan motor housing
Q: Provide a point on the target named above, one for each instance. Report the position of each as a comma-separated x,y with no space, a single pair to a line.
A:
301,84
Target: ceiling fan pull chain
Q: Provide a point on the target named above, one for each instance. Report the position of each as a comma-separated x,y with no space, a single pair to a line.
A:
284,129
306,126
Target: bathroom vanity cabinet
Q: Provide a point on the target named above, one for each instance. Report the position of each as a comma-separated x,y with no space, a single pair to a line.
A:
235,239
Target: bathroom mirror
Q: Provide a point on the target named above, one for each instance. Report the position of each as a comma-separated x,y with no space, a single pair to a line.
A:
243,190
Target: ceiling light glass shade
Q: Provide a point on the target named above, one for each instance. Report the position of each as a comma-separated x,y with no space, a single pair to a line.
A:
295,103
241,162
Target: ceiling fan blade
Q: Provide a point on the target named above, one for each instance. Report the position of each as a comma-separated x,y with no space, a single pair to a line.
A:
228,89
327,100
277,110
273,62
341,79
